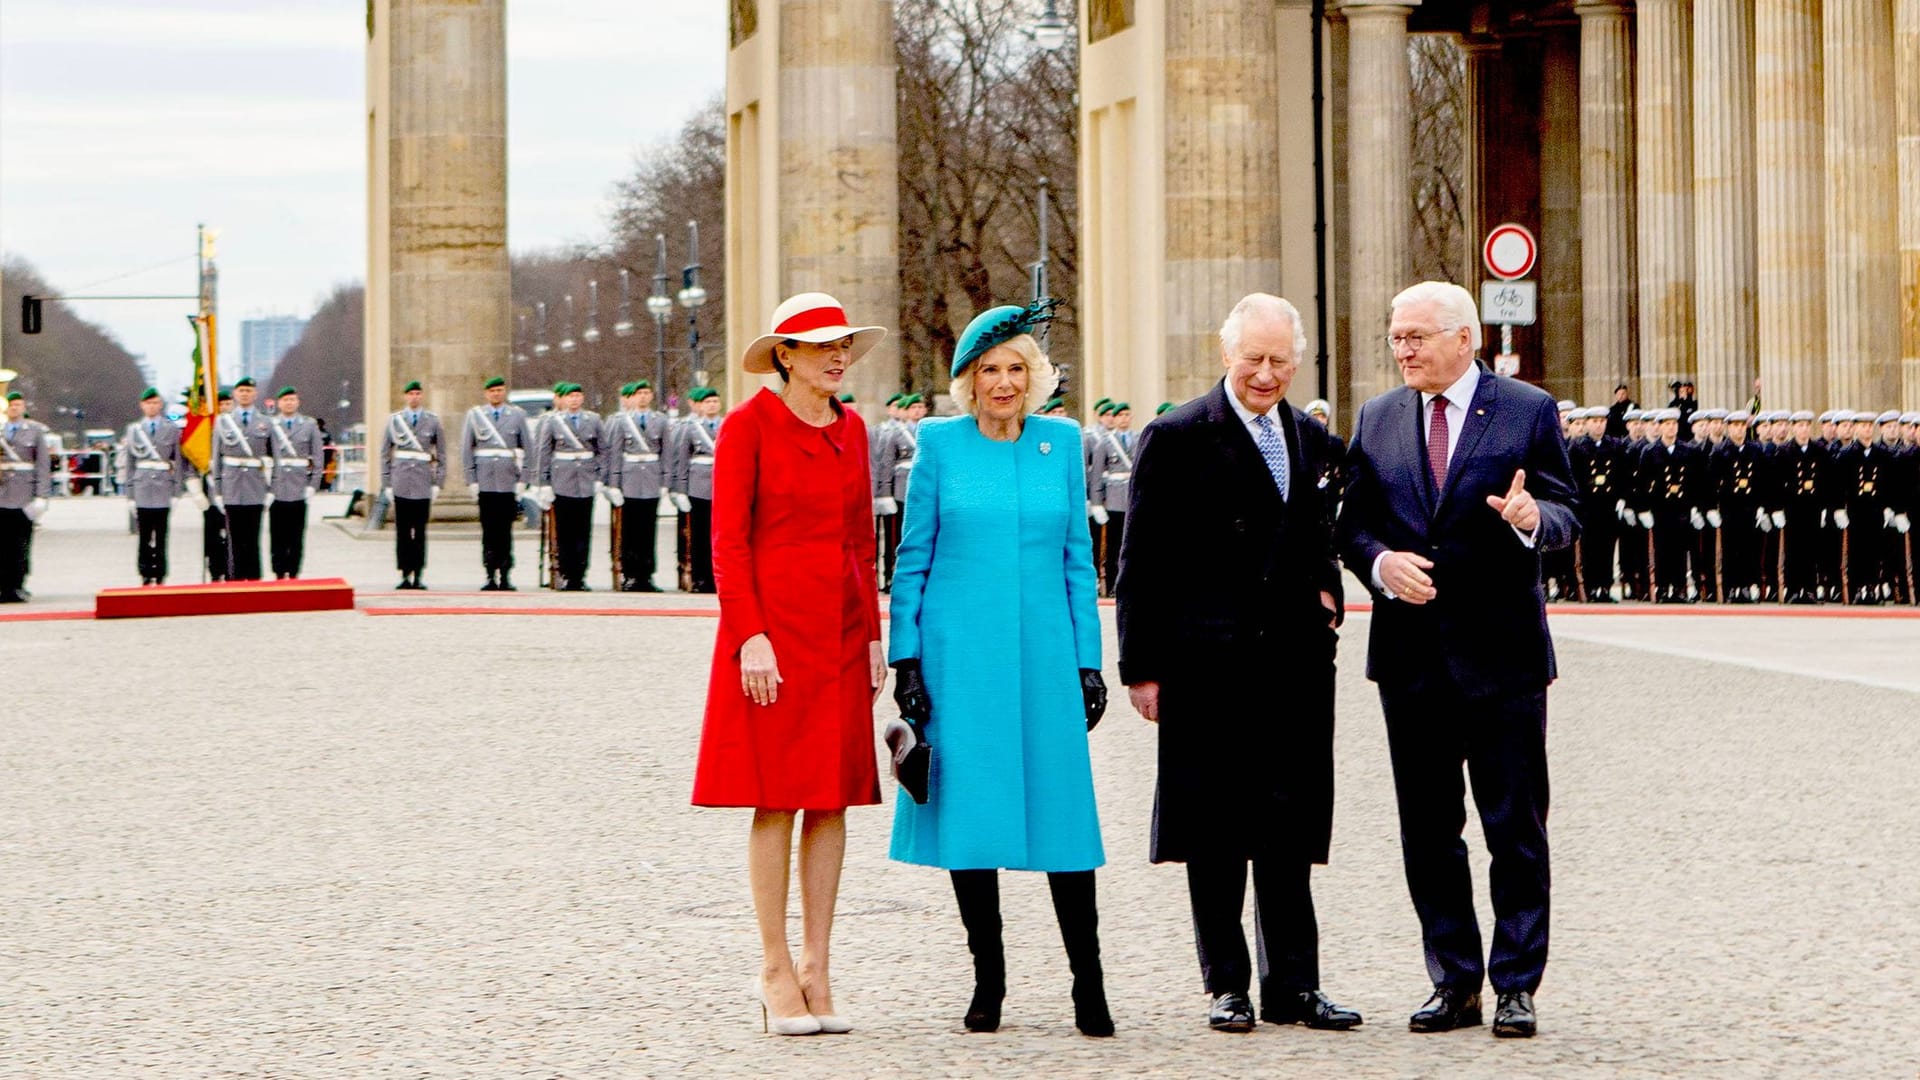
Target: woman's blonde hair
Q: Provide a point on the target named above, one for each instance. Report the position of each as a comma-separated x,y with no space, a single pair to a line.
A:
1042,378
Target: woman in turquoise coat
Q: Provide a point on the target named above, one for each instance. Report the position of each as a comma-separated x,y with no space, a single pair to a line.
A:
996,641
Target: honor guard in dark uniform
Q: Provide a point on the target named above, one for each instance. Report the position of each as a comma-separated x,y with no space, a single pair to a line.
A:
213,520
1110,482
497,448
1705,556
1684,402
1769,432
568,450
896,465
636,475
299,461
1739,470
1908,546
1635,543
1601,477
413,466
1333,473
1673,479
690,484
1867,477
1558,573
153,474
1802,477
26,483
1617,414
241,476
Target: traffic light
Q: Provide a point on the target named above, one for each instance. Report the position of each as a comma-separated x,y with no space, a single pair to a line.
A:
29,314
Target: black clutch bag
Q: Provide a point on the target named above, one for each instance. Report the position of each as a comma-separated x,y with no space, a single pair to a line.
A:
912,769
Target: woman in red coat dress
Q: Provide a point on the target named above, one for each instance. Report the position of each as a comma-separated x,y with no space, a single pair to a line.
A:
797,663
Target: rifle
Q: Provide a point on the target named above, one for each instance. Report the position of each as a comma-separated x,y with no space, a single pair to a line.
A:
614,522
1719,584
686,553
549,549
1846,586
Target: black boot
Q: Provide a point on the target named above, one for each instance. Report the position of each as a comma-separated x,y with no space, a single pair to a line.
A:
978,892
1073,905
506,581
493,582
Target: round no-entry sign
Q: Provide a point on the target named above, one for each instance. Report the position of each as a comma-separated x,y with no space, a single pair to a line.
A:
1509,252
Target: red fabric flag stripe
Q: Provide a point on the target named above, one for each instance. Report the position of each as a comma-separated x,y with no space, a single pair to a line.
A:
812,319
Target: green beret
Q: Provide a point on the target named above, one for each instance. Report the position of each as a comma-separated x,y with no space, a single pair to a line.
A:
911,400
895,399
16,395
627,389
412,385
225,394
1103,408
493,382
641,384
1164,406
1100,402
149,392
285,390
245,380
562,389
702,393
1120,407
1053,403
559,388
846,397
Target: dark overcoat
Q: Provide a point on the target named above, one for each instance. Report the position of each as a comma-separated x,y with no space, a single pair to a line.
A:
1219,602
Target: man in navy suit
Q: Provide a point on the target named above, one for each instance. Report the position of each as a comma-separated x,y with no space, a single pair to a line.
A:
1457,482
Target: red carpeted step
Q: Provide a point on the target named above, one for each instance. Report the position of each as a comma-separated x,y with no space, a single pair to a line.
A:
225,598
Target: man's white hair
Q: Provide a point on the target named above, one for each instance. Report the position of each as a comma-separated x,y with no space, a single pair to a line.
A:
1265,305
1452,304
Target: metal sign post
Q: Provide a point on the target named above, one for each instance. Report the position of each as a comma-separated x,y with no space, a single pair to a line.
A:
1509,253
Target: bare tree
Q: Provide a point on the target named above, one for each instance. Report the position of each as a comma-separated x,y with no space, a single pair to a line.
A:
1437,167
73,367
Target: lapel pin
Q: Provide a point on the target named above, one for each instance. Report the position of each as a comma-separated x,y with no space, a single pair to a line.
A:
1046,448
1479,412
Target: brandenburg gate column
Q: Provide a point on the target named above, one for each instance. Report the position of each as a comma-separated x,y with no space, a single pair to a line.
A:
1380,206
1790,204
1663,126
1862,205
1723,191
1606,186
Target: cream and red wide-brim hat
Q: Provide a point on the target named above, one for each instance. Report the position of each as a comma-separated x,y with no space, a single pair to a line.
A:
813,317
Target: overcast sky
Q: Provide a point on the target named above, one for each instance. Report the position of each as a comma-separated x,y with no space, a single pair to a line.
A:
124,124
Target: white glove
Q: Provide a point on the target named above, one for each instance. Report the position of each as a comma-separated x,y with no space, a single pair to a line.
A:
544,496
682,503
269,501
1099,515
1840,519
1886,515
1779,519
1646,519
616,498
1901,523
1626,515
1823,519
898,735
193,486
433,492
600,490
1693,516
885,506
199,500
1714,519
310,493
1764,522
519,490
220,504
35,508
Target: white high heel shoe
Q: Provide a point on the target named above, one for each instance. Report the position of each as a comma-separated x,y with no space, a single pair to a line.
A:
803,1024
834,1025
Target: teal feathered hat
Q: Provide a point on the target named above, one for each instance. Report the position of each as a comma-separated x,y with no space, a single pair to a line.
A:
995,326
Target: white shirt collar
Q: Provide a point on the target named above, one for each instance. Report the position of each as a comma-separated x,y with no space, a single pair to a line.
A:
1246,415
1460,394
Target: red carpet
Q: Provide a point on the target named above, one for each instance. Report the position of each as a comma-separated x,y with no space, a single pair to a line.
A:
225,598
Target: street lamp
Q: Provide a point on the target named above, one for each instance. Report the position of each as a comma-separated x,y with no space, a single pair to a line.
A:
692,296
660,306
592,333
566,328
540,347
1050,30
623,322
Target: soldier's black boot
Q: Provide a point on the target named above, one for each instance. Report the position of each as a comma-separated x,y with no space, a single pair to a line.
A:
978,892
506,581
1073,905
493,582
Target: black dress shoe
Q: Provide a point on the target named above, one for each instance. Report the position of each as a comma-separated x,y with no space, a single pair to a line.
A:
1447,1009
983,1012
12,596
647,586
1309,1007
1231,1012
1090,1013
1514,1019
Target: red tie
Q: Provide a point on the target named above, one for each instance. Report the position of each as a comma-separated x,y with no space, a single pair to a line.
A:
1437,443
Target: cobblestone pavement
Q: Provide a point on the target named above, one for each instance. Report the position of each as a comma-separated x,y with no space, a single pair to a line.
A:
338,845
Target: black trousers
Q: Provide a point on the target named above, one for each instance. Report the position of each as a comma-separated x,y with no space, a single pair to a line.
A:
1867,548
410,533
1557,570
1770,564
1673,545
889,545
1114,529
213,543
700,544
572,535
16,547
1432,731
1740,548
1285,933
1599,531
1805,548
287,534
1636,573
498,511
639,533
1706,561
153,542
243,539
1832,546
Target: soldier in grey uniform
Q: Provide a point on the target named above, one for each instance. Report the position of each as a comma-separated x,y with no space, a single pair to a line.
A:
413,465
690,483
1109,482
298,460
1090,440
567,449
497,447
153,474
636,476
884,506
213,520
241,477
26,482
895,466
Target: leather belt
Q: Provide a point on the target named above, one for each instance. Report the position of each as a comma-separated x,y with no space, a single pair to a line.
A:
573,455
701,459
639,457
16,466
492,453
1120,475
154,466
408,455
291,462
248,462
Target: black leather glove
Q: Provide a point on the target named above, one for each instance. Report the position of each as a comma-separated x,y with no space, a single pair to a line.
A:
1094,690
910,692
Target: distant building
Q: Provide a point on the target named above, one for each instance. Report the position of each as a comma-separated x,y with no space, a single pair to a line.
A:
262,343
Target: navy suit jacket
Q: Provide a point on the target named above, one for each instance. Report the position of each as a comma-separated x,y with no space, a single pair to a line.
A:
1486,628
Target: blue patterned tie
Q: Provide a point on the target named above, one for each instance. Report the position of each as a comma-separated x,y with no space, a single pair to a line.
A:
1274,449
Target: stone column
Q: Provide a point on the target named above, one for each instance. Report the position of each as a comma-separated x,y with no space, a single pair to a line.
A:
447,175
1339,241
1790,205
1863,269
1560,300
1906,66
839,185
1663,114
1222,154
1381,211
1723,200
1606,187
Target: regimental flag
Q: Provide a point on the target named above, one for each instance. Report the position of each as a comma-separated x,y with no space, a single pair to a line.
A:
203,398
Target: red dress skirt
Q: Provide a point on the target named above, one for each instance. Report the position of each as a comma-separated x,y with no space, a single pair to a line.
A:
793,551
